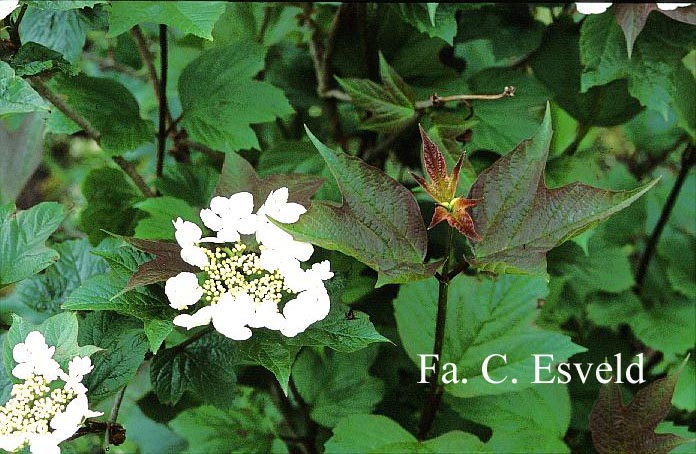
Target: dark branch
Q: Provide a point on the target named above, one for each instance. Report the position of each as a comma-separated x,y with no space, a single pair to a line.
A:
687,161
163,109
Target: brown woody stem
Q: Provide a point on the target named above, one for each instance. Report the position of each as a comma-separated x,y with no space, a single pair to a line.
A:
436,388
90,130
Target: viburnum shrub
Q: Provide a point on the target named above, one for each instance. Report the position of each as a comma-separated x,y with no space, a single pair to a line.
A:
324,227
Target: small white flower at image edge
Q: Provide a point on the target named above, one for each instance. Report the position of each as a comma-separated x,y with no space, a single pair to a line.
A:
591,8
672,6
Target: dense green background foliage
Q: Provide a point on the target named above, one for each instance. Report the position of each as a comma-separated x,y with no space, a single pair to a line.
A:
116,117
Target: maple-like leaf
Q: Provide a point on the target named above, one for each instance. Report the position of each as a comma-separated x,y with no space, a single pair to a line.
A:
618,428
443,187
520,219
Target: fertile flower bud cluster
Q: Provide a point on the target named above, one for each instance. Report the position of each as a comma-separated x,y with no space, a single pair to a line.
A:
242,287
50,405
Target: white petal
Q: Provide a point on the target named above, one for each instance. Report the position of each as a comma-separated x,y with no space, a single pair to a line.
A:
80,366
211,220
231,314
183,290
220,205
307,308
591,8
200,318
187,233
23,370
11,442
671,6
241,203
248,224
267,316
194,255
44,444
228,234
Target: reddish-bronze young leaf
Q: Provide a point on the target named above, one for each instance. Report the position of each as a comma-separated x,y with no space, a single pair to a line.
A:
458,218
167,262
443,186
618,428
520,219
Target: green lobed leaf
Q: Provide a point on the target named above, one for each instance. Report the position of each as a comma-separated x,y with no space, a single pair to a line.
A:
21,150
109,107
156,332
605,268
123,345
60,331
661,327
347,387
377,434
162,211
392,103
656,76
618,428
60,29
520,219
248,426
491,125
340,332
33,58
272,351
22,240
192,17
484,316
16,95
500,35
63,5
204,367
562,76
193,183
437,20
379,222
46,292
220,101
536,417
110,198
105,292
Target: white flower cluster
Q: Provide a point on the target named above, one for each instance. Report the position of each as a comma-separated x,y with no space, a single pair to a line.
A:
599,8
41,412
242,288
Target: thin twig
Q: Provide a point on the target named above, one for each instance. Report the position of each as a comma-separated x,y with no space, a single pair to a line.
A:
132,172
163,109
436,388
64,107
321,58
688,160
112,417
312,427
283,404
436,100
90,130
149,61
